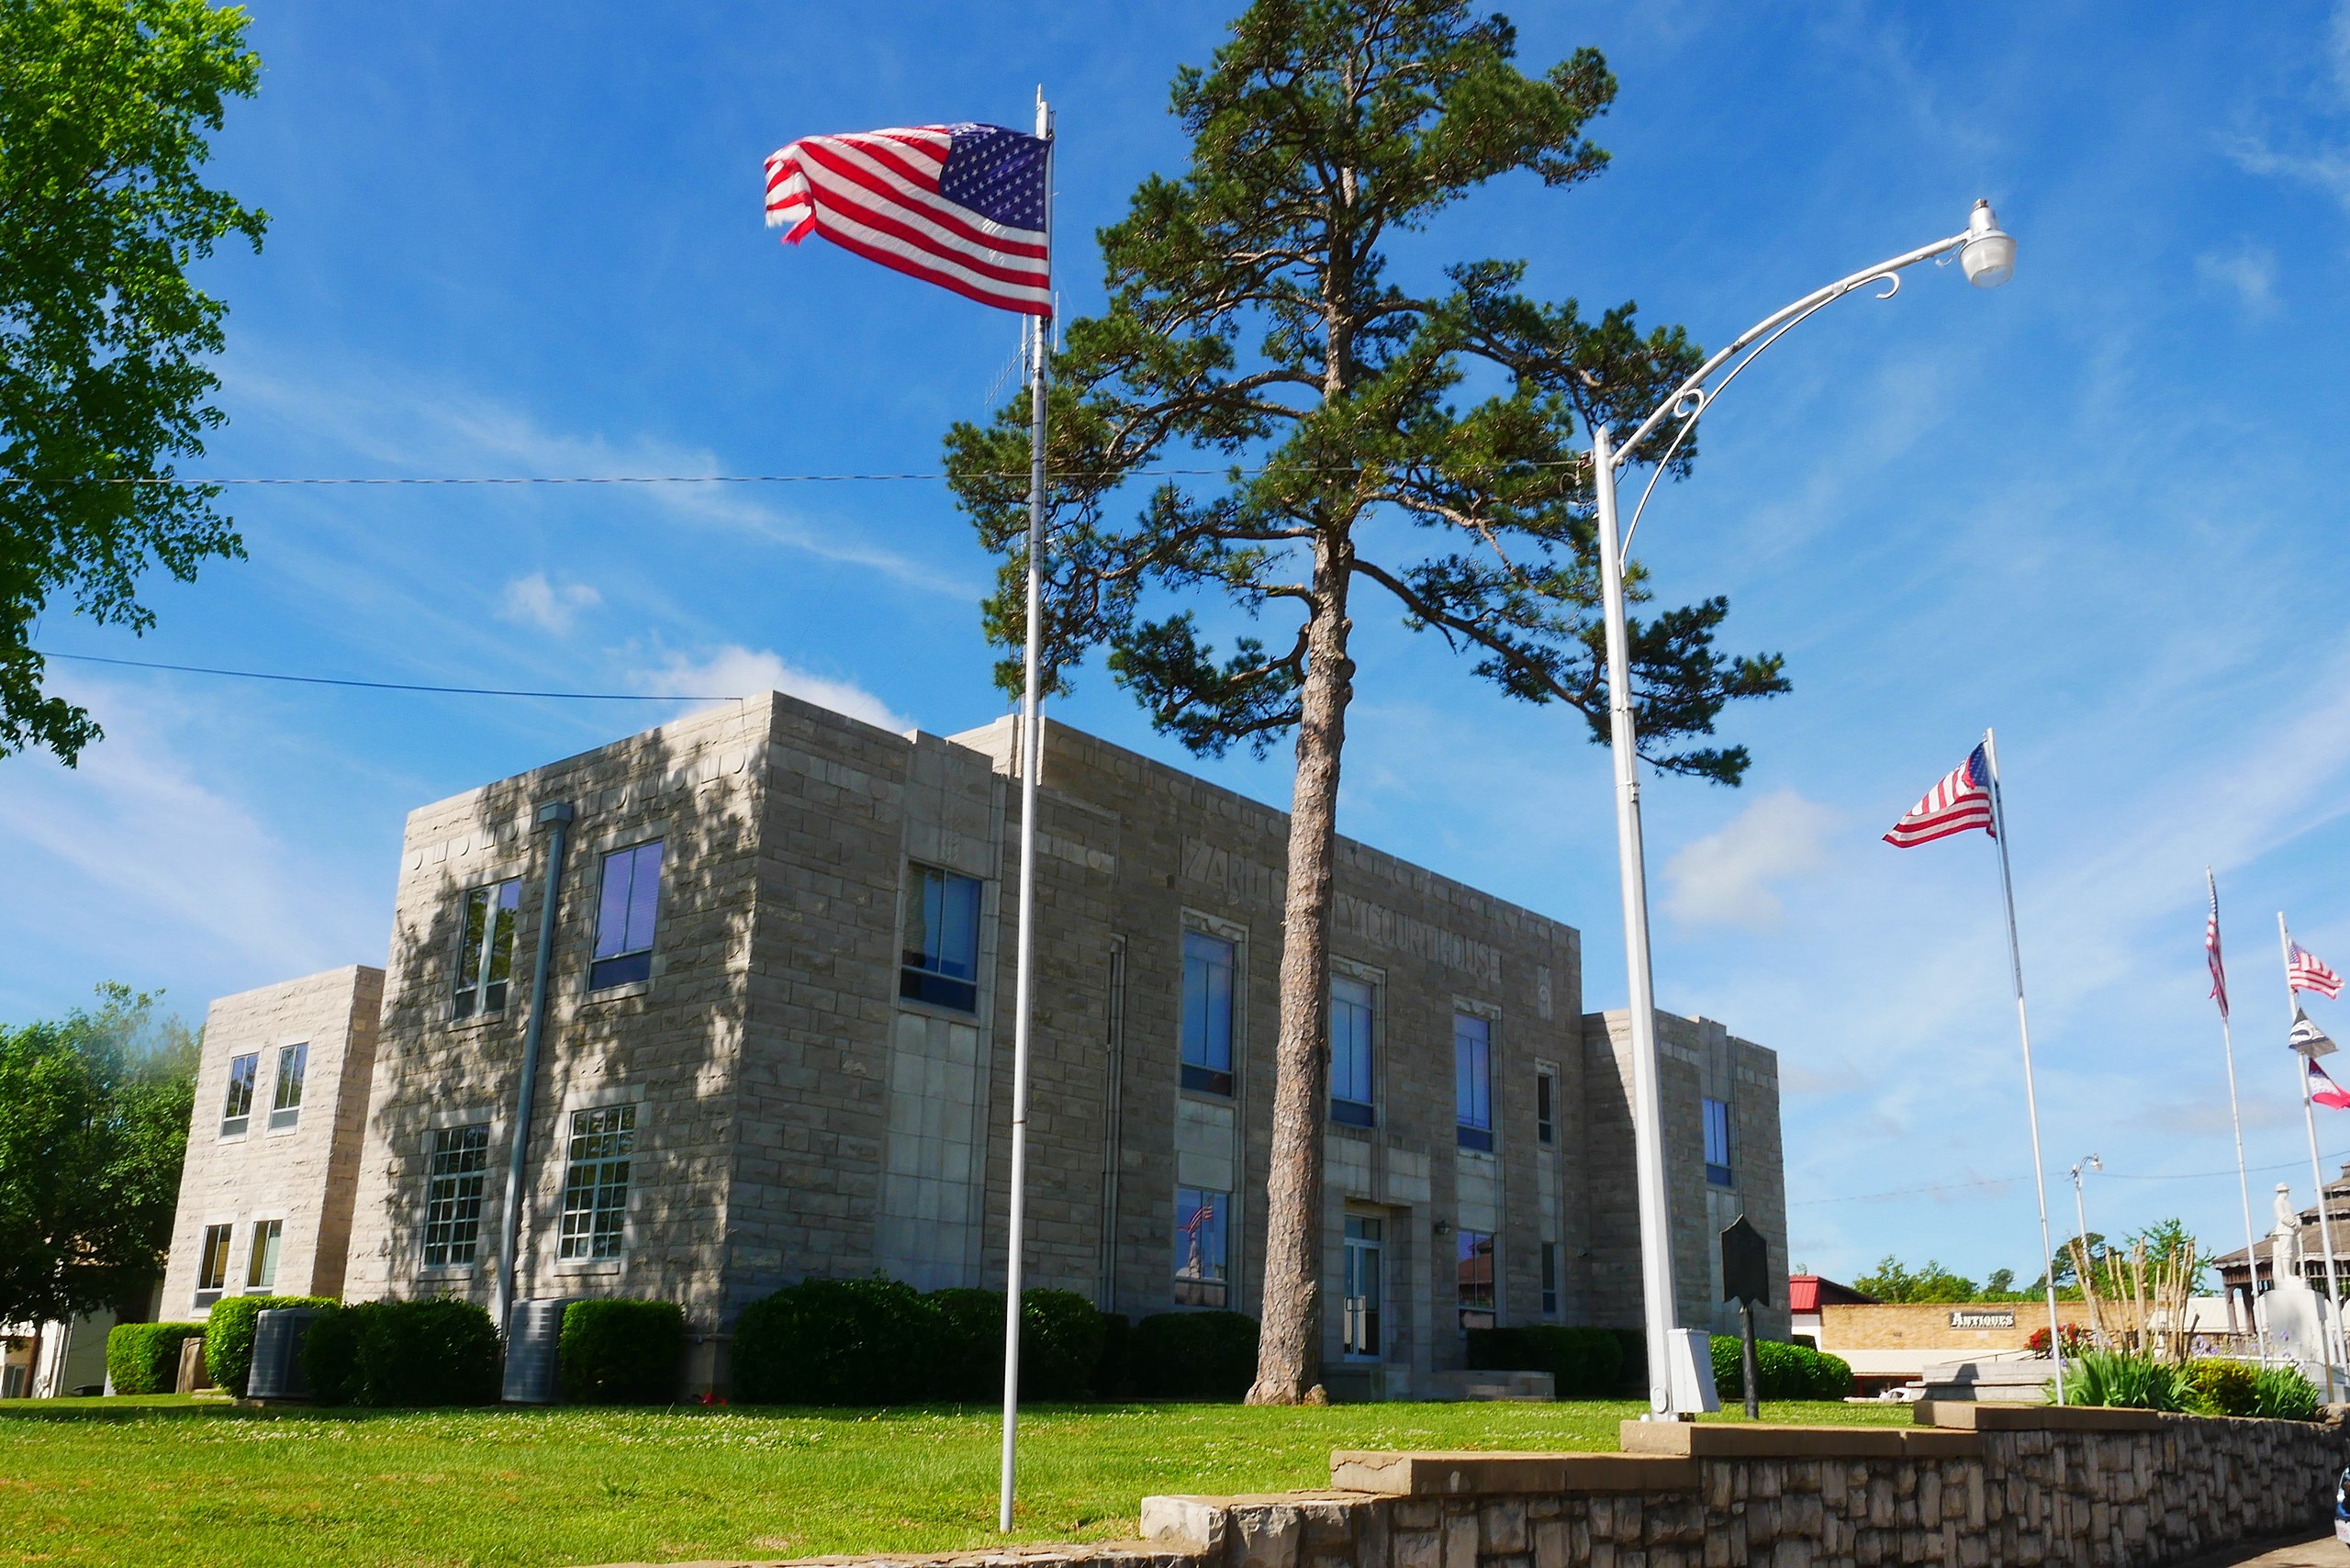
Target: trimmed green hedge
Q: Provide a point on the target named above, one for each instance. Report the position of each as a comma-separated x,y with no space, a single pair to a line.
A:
229,1335
621,1352
1194,1355
436,1350
876,1342
1584,1363
1785,1372
144,1358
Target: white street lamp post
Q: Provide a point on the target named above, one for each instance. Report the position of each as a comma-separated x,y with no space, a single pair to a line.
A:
1987,256
2080,1217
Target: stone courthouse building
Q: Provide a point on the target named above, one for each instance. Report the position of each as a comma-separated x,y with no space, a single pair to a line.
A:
773,1041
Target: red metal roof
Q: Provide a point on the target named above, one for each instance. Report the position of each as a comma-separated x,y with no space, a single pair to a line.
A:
1809,1292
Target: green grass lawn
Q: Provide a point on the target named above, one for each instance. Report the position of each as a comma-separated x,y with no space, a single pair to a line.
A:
166,1480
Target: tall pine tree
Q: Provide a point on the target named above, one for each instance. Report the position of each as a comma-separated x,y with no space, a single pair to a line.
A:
1252,316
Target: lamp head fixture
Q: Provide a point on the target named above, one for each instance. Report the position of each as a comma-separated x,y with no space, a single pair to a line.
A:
1988,256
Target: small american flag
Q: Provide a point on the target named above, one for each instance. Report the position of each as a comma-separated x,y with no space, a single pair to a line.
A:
2323,1090
960,206
2308,1038
2304,970
2211,948
1960,803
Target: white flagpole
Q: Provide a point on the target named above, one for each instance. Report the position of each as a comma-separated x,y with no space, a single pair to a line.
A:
2317,1173
1032,754
2235,1117
2031,1095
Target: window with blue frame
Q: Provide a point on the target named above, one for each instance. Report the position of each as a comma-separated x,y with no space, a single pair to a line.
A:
1208,965
1717,1164
1473,1080
1203,1258
941,964
625,907
1354,1016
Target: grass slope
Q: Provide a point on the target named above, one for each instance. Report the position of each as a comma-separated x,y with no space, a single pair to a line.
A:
164,1480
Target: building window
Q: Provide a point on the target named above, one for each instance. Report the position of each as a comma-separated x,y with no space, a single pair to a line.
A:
942,950
1201,1257
286,1102
1549,1278
1208,963
237,1109
1353,1018
212,1264
1546,1107
453,1191
1473,1080
260,1270
1717,1166
1474,1274
595,1188
632,893
485,947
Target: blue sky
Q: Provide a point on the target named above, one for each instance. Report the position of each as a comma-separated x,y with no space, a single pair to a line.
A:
2097,509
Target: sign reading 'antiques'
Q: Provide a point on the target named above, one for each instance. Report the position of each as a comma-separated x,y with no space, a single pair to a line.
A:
1963,1319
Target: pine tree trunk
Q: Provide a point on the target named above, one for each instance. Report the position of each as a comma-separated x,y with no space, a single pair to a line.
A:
1289,1360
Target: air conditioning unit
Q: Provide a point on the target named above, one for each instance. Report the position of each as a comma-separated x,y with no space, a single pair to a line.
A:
277,1370
533,1364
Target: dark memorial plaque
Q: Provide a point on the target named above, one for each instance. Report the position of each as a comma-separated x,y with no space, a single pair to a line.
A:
1745,1279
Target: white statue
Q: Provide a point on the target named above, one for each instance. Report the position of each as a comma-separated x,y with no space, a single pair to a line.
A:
2285,1252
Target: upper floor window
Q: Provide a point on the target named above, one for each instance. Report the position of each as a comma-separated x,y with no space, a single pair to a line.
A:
237,1108
1546,1107
1208,963
1201,1259
485,947
1473,1278
630,896
260,1268
1473,1080
212,1264
1353,1014
595,1184
1717,1165
286,1100
942,950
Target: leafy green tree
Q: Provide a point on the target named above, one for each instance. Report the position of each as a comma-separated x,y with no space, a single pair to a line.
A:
104,341
1423,442
2169,1241
93,1117
2061,1267
1895,1281
2002,1282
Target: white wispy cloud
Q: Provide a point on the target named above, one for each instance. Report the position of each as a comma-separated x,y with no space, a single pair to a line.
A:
2249,271
736,671
552,607
1732,877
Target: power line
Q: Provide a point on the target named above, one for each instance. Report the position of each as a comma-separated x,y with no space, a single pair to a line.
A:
2006,1180
393,685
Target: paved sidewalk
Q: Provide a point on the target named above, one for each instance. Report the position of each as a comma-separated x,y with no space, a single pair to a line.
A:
2317,1551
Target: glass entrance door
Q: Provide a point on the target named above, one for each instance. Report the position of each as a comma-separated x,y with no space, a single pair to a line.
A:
1362,1288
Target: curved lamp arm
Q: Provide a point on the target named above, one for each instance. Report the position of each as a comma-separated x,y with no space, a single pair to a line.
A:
1984,249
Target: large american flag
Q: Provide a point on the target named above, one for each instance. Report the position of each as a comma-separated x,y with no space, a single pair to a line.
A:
2304,970
2211,948
1960,803
960,206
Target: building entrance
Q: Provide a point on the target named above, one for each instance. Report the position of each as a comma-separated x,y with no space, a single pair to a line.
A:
1362,1292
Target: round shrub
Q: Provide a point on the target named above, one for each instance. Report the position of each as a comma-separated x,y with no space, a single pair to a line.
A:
1195,1355
144,1358
1113,1373
836,1342
229,1335
1783,1371
1060,1342
621,1352
969,1325
2216,1387
436,1350
1060,1345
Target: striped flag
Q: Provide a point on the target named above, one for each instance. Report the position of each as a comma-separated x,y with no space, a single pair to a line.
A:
1960,803
2304,970
2308,1038
2212,949
2323,1090
960,206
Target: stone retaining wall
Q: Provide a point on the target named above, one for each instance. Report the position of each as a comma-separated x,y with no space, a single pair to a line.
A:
1969,1486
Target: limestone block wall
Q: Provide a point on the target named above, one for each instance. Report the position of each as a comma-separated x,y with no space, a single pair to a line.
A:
301,1174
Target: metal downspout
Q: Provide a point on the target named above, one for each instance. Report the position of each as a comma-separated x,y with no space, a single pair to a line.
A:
557,815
